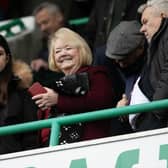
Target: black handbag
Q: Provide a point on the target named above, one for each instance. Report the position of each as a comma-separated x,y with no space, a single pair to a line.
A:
75,84
71,133
68,133
72,85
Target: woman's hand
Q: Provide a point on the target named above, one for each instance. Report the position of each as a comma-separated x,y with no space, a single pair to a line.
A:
46,100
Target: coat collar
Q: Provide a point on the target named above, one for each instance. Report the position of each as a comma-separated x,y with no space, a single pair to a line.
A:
163,27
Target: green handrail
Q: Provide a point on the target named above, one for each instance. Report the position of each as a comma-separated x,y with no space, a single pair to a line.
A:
79,21
55,123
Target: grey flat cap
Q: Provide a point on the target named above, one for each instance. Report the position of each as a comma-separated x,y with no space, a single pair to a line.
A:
124,39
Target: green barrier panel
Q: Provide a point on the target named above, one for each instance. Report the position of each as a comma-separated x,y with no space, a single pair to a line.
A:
18,22
7,27
55,123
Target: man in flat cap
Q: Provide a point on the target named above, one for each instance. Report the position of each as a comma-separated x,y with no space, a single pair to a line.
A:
126,47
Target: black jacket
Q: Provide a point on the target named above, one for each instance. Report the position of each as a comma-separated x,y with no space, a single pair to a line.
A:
106,14
154,78
19,109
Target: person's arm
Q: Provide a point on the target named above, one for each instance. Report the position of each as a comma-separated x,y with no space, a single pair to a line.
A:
29,139
41,61
161,91
99,96
20,109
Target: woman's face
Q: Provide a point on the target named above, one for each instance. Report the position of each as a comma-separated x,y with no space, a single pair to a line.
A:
66,57
3,59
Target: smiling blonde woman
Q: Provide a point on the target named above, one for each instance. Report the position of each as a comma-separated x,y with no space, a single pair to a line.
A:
70,54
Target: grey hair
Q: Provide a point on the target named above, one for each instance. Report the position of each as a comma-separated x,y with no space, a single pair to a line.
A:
52,8
159,5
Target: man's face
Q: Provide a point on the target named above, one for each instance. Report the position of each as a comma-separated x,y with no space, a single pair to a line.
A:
131,58
151,21
48,23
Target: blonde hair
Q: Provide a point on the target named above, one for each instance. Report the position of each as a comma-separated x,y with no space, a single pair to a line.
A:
71,38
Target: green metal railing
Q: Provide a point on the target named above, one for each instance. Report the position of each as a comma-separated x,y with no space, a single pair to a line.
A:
55,123
79,21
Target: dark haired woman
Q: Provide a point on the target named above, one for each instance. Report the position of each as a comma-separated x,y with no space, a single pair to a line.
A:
16,105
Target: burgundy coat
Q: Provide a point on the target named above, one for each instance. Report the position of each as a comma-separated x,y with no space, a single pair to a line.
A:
100,96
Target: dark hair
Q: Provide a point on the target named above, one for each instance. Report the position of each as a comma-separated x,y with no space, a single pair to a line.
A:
5,75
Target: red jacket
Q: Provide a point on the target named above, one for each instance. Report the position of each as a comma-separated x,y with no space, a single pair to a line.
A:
100,96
